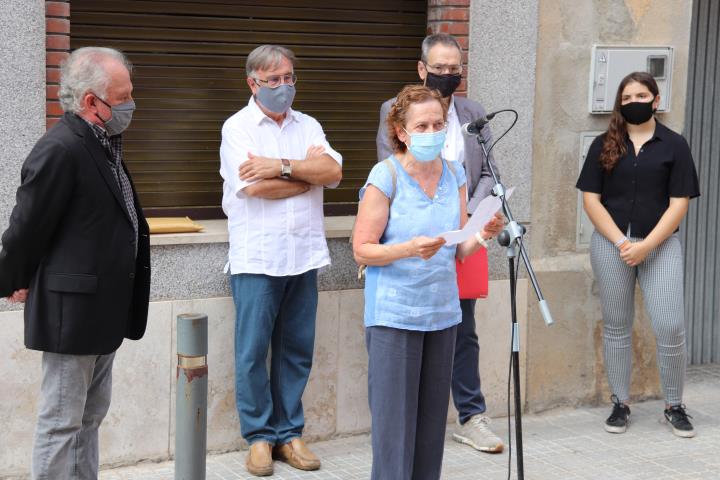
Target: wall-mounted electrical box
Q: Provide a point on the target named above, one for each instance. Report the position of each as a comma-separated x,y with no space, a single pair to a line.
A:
610,64
584,225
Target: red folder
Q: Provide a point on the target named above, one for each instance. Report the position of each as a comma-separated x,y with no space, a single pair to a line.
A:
472,275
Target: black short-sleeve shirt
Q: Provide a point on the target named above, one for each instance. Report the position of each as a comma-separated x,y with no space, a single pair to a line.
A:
637,191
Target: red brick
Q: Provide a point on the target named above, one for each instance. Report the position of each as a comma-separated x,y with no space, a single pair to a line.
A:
53,108
53,59
434,27
448,3
51,92
449,13
457,14
57,42
57,25
463,41
458,28
57,28
50,121
52,75
57,9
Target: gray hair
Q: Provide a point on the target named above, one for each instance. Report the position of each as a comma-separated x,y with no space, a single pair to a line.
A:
266,57
438,38
84,71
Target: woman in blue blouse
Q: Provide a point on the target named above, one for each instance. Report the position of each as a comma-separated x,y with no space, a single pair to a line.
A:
411,296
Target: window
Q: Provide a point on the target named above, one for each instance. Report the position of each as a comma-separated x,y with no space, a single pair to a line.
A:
189,77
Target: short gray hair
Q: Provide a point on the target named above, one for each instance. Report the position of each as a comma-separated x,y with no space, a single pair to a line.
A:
438,38
266,57
84,71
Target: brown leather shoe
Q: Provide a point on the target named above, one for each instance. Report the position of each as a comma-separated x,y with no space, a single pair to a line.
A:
296,454
259,459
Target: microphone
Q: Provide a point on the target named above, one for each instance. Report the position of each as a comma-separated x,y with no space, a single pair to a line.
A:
474,128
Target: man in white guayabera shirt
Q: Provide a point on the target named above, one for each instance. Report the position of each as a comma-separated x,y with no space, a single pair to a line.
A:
275,162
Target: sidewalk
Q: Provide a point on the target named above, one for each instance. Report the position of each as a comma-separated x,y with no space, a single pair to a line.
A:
563,444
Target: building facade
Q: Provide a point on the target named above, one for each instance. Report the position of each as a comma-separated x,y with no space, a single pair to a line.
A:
530,55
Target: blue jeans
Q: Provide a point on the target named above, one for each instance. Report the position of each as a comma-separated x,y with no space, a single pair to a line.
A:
466,393
277,311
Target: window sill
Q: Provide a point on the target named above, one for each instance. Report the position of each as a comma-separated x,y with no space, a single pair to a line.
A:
216,232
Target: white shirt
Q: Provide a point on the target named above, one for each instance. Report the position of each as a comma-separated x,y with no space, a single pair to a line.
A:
272,237
454,148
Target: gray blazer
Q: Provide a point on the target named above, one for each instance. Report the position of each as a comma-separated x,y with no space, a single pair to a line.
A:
480,181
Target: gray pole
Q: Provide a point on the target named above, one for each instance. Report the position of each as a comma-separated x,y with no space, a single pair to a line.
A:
191,397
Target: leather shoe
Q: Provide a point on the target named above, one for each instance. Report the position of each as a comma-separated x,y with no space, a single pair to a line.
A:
259,459
296,454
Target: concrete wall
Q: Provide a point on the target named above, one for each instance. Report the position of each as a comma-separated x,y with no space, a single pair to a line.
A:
502,74
565,363
141,422
22,91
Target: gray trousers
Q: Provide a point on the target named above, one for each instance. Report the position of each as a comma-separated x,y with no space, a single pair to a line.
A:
661,280
74,398
409,376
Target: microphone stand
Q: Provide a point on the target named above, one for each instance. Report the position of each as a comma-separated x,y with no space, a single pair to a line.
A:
511,239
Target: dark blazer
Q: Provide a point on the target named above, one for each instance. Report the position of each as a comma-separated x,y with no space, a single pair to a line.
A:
72,243
480,181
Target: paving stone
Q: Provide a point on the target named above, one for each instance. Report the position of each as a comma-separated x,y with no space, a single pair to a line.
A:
565,444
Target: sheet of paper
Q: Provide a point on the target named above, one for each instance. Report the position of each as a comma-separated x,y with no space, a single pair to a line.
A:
482,214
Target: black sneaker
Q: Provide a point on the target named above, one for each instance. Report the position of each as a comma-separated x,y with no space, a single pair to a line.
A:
677,418
618,420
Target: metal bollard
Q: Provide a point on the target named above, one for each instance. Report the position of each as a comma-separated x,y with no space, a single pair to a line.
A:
191,397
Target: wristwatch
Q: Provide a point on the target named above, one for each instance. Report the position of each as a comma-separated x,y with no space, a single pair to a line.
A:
285,169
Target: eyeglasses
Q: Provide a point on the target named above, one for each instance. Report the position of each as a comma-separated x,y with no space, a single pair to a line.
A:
275,81
441,68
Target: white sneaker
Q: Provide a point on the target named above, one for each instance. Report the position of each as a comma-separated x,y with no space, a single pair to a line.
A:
476,433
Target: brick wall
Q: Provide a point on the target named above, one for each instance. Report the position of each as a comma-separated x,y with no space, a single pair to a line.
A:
57,48
453,17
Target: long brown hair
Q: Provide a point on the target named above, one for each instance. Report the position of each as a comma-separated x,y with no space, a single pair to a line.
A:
614,145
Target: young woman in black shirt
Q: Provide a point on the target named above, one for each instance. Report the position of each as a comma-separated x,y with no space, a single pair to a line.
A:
637,181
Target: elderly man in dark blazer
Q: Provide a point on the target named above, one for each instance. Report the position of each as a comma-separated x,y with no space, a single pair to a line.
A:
77,252
440,67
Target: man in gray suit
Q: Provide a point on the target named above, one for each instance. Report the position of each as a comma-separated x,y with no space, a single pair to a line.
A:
440,67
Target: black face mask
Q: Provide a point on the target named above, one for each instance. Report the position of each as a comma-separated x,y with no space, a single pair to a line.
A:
446,84
637,113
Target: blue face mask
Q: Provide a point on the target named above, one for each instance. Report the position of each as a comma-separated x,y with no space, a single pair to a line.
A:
426,147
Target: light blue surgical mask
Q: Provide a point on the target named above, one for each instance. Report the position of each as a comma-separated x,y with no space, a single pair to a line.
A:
426,147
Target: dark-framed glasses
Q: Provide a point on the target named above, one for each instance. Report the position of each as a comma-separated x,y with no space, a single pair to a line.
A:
443,69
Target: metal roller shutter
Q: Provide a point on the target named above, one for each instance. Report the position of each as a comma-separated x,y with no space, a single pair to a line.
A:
701,230
189,59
